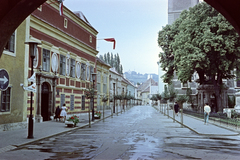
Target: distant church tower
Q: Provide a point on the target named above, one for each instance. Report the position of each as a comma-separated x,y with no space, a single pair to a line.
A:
175,7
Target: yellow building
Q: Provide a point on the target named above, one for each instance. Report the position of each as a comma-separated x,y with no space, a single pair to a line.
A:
63,65
13,101
102,83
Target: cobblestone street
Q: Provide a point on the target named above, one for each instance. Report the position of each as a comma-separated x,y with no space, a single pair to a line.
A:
139,133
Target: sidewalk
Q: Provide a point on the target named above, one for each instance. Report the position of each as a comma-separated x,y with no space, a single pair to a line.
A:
197,125
12,139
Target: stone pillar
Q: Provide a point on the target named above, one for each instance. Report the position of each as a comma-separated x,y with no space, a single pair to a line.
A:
54,84
237,98
202,99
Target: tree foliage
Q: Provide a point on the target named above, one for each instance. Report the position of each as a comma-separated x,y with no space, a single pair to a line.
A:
190,98
200,41
113,61
165,94
172,93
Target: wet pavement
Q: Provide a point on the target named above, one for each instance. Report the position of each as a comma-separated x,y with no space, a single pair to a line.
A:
137,134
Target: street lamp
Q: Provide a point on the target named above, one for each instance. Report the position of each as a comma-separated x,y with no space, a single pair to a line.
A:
113,97
93,79
33,51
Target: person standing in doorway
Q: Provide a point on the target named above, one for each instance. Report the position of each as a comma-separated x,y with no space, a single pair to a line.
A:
207,110
176,108
64,112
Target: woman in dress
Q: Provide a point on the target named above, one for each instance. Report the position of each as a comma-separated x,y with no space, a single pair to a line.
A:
63,112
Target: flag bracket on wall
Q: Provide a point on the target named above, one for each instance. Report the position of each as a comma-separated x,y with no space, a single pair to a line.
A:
110,40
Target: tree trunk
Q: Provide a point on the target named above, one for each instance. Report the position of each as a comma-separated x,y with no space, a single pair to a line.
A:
218,97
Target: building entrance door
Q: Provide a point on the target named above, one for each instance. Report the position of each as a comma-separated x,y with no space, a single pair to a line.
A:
45,102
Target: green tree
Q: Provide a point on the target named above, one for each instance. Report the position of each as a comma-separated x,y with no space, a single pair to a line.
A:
108,58
154,97
165,39
105,58
101,57
190,98
115,62
207,44
112,60
181,99
172,93
121,69
165,94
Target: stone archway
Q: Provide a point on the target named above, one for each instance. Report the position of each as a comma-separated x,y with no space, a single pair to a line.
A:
49,92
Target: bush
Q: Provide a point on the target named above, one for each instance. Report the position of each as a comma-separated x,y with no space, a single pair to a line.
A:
231,101
234,114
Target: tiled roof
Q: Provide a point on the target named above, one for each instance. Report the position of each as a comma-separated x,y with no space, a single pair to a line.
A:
130,83
82,17
146,89
114,71
101,61
146,84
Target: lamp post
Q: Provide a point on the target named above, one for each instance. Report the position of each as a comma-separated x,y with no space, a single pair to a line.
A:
32,50
93,79
113,97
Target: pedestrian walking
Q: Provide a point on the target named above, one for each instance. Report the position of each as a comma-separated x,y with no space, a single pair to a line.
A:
207,110
57,113
64,112
176,108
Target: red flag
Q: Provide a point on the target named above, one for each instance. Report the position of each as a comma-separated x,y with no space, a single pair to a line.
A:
61,7
111,40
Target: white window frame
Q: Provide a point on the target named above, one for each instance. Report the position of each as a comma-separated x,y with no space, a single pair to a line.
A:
62,67
65,23
72,67
47,63
7,52
67,66
88,73
1,101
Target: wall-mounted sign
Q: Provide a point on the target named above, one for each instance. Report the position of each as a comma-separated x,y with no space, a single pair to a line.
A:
4,79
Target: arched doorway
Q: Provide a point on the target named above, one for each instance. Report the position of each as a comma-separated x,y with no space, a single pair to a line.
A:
45,111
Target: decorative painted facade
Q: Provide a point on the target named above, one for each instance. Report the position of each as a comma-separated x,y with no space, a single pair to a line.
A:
66,59
63,65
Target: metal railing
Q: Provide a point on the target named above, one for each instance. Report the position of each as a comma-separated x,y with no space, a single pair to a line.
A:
218,118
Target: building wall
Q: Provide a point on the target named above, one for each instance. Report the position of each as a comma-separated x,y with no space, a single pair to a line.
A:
145,98
14,64
116,78
66,35
103,86
131,90
71,37
175,7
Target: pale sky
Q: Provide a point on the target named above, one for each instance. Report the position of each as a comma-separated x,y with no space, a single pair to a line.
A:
133,23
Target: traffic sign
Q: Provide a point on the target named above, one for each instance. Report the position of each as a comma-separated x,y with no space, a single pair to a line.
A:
4,79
